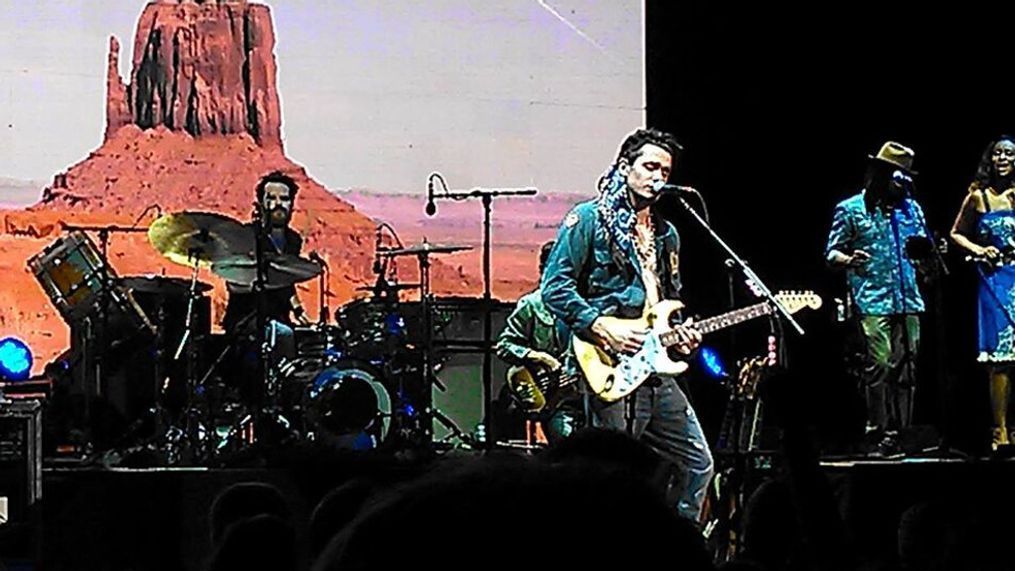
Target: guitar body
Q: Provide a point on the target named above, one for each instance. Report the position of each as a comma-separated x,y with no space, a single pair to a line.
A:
612,378
523,386
538,389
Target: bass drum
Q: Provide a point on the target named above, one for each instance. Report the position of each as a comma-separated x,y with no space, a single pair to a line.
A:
347,406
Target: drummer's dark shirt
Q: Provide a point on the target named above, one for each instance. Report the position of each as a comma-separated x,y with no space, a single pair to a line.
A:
242,307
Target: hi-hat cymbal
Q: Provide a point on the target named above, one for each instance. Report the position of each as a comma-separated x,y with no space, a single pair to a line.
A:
199,238
282,270
423,248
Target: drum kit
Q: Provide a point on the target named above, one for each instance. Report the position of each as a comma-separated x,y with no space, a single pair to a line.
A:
142,347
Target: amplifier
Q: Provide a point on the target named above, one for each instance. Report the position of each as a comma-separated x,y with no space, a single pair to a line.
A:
20,459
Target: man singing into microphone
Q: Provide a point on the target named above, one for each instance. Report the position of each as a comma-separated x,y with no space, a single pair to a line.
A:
615,256
872,231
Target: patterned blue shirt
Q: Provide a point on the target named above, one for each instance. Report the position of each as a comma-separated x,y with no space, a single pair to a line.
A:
876,286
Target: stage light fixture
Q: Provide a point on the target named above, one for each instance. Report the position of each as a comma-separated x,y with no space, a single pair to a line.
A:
15,359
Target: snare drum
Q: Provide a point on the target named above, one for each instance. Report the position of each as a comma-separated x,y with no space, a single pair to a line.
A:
75,277
71,272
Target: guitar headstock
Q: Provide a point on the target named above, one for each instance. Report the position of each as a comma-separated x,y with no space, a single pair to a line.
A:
794,301
751,372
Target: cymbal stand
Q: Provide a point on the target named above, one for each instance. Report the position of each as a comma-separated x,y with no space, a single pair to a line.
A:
266,409
193,431
425,301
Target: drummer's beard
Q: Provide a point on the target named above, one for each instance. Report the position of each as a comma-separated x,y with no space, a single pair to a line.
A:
279,217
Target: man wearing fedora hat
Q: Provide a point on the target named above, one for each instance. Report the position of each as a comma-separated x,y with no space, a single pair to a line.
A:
871,234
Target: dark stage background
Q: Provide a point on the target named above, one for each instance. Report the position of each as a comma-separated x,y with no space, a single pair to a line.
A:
777,107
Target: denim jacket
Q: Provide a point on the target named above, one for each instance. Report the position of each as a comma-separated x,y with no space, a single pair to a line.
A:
587,275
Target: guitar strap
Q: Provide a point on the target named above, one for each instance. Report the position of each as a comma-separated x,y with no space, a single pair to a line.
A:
621,260
667,255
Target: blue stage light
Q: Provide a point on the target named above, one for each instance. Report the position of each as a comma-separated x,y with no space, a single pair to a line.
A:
15,359
711,362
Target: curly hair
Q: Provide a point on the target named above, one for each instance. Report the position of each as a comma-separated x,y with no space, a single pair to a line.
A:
985,176
279,177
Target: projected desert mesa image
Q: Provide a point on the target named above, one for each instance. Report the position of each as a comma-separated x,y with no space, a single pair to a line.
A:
154,110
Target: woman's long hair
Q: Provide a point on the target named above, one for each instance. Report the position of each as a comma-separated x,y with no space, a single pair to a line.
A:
986,176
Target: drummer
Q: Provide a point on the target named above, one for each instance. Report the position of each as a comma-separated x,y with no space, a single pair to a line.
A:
276,194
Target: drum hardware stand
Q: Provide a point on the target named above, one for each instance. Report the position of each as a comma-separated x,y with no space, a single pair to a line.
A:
423,258
266,408
96,334
487,196
455,430
322,281
430,413
383,265
192,433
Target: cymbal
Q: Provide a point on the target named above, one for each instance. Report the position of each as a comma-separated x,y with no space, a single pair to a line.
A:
282,270
423,248
161,285
199,238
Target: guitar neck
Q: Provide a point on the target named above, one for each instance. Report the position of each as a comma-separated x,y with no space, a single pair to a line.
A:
720,322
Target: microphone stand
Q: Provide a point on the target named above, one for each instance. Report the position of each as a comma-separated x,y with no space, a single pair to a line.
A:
759,286
935,309
486,195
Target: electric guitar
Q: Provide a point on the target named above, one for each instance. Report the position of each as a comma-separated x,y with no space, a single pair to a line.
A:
537,388
612,377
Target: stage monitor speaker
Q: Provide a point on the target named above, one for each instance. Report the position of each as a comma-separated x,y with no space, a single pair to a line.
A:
460,362
20,459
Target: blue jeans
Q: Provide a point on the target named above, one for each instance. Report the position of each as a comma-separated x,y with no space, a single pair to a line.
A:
664,419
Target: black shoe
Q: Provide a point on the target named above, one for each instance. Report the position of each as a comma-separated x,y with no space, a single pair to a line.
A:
889,447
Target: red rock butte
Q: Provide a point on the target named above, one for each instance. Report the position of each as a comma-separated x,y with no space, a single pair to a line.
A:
206,68
195,129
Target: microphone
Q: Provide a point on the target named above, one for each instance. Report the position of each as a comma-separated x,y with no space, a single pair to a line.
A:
681,189
676,188
431,208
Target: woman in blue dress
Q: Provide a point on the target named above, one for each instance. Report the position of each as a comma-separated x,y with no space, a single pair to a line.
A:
985,227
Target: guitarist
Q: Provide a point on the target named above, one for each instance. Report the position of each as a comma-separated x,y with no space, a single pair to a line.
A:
615,256
534,339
